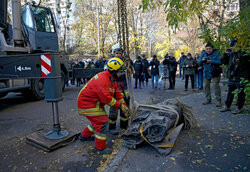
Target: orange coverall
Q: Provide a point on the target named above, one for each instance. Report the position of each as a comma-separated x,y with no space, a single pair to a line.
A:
100,90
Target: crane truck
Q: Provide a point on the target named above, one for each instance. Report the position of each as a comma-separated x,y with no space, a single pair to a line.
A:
33,31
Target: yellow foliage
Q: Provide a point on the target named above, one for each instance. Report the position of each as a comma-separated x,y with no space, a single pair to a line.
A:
163,48
184,49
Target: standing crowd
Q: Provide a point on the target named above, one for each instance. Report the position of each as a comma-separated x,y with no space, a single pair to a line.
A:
110,86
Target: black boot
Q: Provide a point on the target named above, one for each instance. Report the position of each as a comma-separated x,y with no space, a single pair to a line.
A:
124,124
112,129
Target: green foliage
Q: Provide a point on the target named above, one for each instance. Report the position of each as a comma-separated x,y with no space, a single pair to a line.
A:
177,11
214,27
238,27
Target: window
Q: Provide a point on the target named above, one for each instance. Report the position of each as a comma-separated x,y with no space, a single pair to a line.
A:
237,6
232,7
26,17
43,19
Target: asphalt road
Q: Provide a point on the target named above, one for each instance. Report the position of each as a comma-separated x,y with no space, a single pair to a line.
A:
19,117
221,142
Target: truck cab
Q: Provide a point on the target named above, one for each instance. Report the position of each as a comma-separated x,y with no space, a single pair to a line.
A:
40,27
32,31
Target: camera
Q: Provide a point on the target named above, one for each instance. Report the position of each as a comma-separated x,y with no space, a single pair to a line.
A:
205,60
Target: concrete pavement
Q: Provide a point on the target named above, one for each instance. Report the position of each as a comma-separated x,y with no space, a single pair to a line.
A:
220,142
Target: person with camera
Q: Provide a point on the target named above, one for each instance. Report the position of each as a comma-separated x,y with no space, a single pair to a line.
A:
154,71
210,59
189,70
238,67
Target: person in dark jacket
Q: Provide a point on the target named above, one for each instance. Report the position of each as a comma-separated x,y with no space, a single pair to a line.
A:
99,63
238,67
172,67
154,71
82,65
78,80
180,62
138,67
226,57
210,59
104,60
189,70
145,70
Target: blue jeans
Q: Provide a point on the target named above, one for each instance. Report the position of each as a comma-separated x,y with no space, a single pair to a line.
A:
196,79
200,79
155,80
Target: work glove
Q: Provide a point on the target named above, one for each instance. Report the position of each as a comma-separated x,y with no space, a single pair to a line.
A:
125,110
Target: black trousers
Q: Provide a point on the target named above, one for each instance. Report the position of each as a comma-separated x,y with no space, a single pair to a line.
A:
138,77
113,114
230,96
172,79
186,81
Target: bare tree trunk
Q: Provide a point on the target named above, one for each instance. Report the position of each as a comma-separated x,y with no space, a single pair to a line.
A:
221,19
141,22
64,39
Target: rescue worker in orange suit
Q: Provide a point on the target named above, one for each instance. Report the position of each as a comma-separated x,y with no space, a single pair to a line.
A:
122,85
100,90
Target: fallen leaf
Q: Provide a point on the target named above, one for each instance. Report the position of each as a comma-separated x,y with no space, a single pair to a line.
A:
241,142
14,168
199,161
78,151
225,155
209,146
179,152
172,158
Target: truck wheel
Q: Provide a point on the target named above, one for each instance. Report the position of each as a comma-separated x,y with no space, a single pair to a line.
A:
37,88
3,95
63,80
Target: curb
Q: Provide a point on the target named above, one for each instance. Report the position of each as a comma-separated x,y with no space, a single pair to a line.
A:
112,167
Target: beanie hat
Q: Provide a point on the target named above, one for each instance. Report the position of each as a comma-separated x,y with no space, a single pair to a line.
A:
209,45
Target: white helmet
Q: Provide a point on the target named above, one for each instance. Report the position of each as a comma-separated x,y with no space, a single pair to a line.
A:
115,47
88,60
